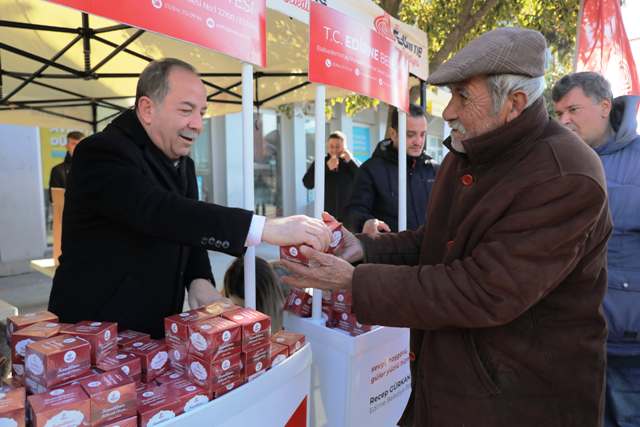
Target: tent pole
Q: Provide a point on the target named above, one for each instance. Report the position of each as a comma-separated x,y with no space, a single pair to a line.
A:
318,207
94,115
402,170
423,95
247,161
86,43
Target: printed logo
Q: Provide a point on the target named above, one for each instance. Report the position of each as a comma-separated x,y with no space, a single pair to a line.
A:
257,327
195,401
121,356
226,365
258,366
161,416
382,25
177,355
147,394
114,396
226,336
137,344
159,360
279,359
157,4
183,314
340,298
174,328
198,341
175,376
211,23
56,392
198,371
70,356
69,340
125,369
293,251
298,301
51,325
190,388
21,346
94,384
95,324
206,327
107,335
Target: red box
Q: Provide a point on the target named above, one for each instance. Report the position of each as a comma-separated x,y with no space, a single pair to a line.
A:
176,327
346,321
125,338
113,396
278,353
12,401
256,361
25,336
103,337
127,363
124,422
177,356
218,307
292,340
91,374
330,316
227,388
154,357
292,253
359,328
69,406
256,327
170,377
157,404
342,301
57,360
15,323
214,338
189,395
299,303
214,374
337,236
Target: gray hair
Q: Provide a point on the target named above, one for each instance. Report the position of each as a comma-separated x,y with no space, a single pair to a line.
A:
154,82
593,85
502,85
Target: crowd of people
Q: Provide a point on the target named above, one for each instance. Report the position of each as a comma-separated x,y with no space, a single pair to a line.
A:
518,274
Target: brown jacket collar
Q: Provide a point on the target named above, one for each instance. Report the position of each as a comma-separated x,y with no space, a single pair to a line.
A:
500,142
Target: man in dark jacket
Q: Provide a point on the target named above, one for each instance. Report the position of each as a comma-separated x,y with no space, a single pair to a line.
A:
134,235
59,173
374,200
502,288
339,173
584,103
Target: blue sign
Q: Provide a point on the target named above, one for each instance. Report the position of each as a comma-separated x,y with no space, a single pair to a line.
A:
361,143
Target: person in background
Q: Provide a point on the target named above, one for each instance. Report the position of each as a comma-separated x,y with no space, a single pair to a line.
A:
270,296
502,287
339,173
584,103
59,173
374,200
134,235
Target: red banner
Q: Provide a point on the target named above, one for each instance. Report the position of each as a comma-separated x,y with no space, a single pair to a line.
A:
346,54
233,27
603,46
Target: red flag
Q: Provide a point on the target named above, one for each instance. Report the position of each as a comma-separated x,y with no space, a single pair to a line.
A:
603,46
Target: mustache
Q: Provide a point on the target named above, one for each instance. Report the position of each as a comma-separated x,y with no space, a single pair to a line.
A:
457,126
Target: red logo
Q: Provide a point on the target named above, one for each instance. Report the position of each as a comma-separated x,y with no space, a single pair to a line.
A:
382,25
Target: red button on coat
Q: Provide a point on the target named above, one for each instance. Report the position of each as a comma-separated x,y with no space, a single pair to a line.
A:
450,244
467,180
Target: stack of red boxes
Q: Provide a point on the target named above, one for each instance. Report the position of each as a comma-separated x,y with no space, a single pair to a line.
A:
12,401
256,344
18,322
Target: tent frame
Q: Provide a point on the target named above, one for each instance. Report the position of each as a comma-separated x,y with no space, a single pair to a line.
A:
87,35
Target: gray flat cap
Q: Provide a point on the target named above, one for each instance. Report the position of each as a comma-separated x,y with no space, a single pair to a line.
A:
499,51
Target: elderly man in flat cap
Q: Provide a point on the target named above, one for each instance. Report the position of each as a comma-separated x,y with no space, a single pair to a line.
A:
502,288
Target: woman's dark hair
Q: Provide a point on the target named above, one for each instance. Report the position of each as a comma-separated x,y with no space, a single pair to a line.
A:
269,295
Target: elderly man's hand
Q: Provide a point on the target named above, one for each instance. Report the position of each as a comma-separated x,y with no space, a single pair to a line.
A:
351,249
374,226
325,271
296,230
201,292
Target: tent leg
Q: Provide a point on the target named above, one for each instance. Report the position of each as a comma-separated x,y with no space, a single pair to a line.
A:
86,43
94,116
423,95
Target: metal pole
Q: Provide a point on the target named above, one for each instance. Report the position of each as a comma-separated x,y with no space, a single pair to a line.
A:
247,167
423,95
318,207
402,170
86,43
94,115
579,23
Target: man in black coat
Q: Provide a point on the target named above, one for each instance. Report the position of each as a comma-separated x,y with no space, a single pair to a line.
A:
134,236
59,173
339,173
374,201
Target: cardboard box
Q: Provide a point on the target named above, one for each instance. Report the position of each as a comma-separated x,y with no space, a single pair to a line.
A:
58,359
346,321
17,370
32,333
154,358
171,377
112,395
329,315
69,406
177,356
292,253
127,363
124,422
128,337
103,337
214,338
256,361
15,323
176,328
156,405
256,327
220,391
359,328
299,303
215,374
218,307
292,340
278,353
12,400
342,301
189,395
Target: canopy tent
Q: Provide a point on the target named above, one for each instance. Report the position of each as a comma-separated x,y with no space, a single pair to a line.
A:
63,68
